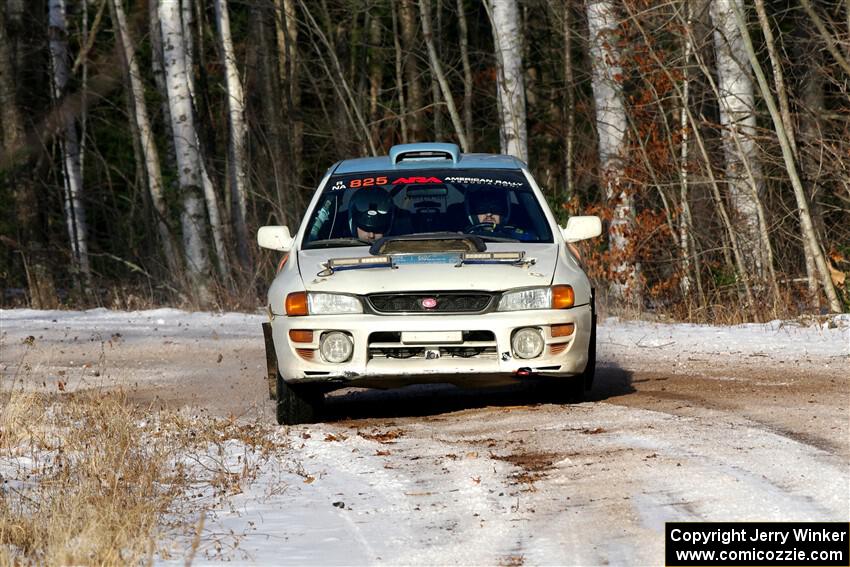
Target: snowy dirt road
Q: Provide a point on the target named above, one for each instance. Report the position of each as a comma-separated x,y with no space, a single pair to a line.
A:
685,423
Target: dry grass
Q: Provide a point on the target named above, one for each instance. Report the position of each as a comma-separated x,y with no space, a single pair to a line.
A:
89,479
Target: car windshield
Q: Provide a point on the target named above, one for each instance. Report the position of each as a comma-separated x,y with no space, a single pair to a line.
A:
357,209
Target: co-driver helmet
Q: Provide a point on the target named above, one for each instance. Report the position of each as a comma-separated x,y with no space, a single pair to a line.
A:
488,200
370,210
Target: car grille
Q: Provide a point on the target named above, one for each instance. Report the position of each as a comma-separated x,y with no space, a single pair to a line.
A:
446,302
476,344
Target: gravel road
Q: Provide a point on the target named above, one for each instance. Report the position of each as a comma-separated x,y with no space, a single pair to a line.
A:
433,474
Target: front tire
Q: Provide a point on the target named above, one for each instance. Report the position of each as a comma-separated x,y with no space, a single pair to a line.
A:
297,403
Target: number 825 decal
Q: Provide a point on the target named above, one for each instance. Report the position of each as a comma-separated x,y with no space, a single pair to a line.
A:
367,182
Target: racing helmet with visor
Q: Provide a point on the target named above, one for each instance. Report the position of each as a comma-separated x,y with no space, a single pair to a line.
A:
370,210
487,200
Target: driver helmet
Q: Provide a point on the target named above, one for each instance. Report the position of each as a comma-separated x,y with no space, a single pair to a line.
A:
480,201
370,210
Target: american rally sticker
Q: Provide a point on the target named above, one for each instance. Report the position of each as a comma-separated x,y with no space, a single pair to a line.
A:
484,181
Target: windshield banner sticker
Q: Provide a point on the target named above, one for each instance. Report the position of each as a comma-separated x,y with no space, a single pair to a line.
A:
422,180
483,181
367,182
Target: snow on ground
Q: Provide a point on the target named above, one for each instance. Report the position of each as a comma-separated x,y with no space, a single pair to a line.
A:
360,498
819,346
619,341
590,483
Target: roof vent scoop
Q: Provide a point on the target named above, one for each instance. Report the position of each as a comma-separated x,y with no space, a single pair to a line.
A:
423,152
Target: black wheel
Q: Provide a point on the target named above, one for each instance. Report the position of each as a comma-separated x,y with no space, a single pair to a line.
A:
297,403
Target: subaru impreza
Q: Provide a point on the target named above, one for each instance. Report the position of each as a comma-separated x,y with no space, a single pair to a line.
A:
427,266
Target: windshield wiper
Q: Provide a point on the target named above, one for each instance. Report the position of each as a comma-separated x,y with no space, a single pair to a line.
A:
337,243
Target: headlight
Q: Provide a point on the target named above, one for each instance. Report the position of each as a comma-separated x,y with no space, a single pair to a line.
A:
555,297
537,298
333,304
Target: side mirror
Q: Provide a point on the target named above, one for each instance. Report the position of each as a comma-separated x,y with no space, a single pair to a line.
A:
275,238
582,228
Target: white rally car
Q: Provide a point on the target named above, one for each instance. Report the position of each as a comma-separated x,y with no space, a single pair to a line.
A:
427,265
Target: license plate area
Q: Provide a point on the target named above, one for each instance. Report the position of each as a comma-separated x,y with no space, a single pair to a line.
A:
431,337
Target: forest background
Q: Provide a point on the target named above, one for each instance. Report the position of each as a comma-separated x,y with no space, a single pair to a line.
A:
144,142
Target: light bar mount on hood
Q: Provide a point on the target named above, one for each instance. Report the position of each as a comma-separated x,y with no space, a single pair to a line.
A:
457,259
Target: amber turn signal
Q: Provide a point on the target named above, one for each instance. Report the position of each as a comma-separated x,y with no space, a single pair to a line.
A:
301,336
296,304
564,330
563,297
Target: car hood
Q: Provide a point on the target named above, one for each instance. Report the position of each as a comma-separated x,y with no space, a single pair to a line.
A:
428,272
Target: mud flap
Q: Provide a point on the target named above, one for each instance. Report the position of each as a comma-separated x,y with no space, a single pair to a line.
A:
271,361
590,370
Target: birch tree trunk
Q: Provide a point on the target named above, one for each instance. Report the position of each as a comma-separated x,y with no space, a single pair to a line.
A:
238,147
611,124
192,216
158,71
737,104
216,225
153,172
437,68
510,82
685,223
811,142
806,225
75,214
788,124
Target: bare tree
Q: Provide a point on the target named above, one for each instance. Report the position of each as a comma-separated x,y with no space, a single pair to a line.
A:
415,98
185,137
611,125
437,70
806,225
153,172
75,213
217,226
30,242
238,147
399,77
376,69
510,82
463,30
286,32
737,115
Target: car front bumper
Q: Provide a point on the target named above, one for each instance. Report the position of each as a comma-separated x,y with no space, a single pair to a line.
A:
493,363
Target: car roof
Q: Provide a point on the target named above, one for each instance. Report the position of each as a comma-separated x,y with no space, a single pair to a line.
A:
450,158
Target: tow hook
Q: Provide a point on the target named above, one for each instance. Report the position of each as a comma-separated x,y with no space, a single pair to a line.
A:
524,371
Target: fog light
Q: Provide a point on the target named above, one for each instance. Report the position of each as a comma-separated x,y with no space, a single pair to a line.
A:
527,343
336,347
